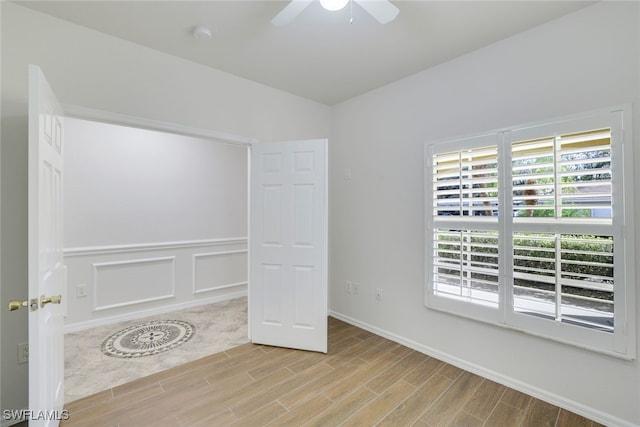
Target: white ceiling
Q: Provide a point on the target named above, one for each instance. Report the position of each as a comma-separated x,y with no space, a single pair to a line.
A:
320,56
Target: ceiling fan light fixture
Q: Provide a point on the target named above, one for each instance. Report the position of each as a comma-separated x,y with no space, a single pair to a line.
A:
333,5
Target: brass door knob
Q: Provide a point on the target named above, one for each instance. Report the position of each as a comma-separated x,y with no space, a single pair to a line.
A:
55,299
18,304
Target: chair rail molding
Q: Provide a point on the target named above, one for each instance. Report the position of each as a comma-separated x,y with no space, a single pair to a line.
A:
140,247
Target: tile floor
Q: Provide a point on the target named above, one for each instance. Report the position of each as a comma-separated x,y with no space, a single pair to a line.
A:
219,326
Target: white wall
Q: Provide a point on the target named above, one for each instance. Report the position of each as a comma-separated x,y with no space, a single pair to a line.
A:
94,70
130,186
583,61
153,221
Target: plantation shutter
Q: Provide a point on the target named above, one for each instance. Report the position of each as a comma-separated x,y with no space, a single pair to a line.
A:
584,174
562,183
465,182
466,265
565,278
532,227
463,225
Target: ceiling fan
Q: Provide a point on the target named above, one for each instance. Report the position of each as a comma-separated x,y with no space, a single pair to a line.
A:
382,10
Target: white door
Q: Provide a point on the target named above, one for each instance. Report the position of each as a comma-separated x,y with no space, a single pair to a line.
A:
288,245
46,268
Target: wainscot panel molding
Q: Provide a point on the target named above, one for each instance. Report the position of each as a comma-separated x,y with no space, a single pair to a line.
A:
125,283
573,406
106,284
219,270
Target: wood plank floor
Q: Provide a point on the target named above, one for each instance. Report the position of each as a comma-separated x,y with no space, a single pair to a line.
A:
364,380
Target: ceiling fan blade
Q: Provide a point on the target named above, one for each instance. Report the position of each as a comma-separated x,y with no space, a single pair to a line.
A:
382,10
290,11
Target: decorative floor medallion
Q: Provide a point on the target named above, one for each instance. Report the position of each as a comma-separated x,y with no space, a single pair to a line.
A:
147,339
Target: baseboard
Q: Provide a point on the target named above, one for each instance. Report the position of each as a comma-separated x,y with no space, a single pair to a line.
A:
570,405
81,326
7,423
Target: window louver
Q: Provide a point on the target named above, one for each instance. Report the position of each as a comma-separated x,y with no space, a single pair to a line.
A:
465,183
466,265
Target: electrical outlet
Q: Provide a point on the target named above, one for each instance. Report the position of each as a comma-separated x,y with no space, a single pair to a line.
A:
347,174
81,291
354,288
379,294
23,352
347,286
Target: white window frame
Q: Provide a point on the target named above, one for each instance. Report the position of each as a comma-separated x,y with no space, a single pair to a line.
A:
622,341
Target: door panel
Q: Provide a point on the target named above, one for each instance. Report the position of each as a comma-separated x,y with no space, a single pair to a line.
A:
288,245
46,267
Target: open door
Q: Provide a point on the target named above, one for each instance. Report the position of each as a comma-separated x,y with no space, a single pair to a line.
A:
46,267
288,244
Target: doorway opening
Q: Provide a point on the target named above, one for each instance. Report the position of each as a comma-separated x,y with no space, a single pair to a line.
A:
155,224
